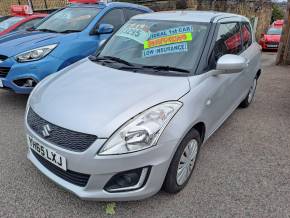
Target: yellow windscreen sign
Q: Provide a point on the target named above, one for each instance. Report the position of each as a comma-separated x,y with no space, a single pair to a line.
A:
184,37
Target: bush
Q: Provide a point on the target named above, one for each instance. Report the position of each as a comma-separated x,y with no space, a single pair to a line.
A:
277,13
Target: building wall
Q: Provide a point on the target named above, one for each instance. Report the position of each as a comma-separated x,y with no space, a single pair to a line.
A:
262,9
250,8
38,5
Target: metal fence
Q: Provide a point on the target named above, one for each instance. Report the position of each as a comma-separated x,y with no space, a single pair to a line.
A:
37,5
47,4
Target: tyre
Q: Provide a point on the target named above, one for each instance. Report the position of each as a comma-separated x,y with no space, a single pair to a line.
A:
183,163
249,99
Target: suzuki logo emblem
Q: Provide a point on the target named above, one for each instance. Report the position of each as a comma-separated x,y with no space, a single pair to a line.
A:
46,130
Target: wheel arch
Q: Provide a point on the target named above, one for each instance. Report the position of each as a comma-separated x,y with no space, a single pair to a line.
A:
258,73
201,128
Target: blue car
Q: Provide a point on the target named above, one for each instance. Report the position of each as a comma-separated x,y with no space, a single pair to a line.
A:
63,38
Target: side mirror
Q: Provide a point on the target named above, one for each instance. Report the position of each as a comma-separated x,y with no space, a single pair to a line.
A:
104,29
229,63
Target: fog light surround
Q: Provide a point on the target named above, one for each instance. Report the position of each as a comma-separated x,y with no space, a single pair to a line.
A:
26,82
128,181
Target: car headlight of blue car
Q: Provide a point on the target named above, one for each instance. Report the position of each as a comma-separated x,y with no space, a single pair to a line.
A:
35,54
143,131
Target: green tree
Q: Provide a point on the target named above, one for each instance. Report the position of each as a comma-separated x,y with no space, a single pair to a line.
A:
277,13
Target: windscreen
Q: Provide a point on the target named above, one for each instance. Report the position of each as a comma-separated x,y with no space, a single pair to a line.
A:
69,19
274,31
9,22
159,43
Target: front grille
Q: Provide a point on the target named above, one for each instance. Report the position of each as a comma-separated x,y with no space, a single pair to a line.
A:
59,136
4,71
3,58
75,178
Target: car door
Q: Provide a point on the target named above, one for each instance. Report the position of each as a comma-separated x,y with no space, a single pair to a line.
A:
93,41
233,45
252,53
222,91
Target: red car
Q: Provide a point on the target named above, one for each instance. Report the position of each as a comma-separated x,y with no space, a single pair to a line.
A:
22,18
271,39
278,24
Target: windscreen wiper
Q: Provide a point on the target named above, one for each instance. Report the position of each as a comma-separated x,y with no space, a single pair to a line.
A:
70,31
166,68
110,58
47,30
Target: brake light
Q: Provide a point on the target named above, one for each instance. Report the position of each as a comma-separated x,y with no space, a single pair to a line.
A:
21,10
84,1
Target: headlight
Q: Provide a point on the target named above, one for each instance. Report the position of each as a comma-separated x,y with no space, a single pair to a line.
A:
141,132
35,54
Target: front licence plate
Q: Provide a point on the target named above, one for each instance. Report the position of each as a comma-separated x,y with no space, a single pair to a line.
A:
1,84
272,46
47,153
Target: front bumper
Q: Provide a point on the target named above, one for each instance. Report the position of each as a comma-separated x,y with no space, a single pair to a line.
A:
35,70
102,168
271,46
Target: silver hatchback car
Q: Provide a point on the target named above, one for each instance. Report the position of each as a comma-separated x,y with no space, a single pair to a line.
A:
124,123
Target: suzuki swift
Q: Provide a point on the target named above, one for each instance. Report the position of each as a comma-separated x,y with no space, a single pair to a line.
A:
63,38
130,119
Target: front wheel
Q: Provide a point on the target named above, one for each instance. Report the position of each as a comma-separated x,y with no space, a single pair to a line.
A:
248,100
183,163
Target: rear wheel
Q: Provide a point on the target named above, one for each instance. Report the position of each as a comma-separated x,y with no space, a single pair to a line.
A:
250,97
183,163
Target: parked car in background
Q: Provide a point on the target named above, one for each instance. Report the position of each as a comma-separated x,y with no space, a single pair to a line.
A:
66,36
21,18
130,119
2,18
271,39
278,24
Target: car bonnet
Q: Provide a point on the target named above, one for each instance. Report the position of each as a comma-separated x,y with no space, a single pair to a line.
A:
94,99
18,42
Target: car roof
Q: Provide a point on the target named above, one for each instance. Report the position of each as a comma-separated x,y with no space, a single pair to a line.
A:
187,15
111,4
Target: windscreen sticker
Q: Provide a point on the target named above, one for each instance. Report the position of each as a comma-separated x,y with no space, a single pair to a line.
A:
137,32
185,37
171,31
166,49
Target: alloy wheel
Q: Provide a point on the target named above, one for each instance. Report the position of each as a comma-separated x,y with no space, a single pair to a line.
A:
187,161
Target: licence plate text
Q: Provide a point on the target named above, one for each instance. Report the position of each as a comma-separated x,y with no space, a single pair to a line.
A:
47,153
